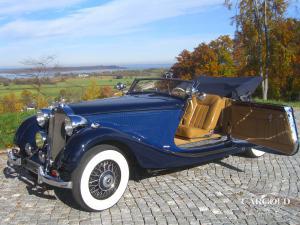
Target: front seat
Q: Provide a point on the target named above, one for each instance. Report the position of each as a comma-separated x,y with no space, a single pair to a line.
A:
201,117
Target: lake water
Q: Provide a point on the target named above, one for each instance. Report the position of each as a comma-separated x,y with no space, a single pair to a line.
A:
127,67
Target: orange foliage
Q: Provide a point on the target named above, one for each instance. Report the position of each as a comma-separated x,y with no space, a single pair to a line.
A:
94,91
10,103
239,57
213,59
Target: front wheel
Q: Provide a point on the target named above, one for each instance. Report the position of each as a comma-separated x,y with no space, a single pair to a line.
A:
101,178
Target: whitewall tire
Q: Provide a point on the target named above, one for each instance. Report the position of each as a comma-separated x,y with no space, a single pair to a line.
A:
101,178
254,152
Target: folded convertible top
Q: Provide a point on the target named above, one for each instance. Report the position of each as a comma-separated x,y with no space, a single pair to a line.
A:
230,87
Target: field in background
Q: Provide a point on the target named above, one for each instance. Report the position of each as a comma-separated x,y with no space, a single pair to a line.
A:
79,84
52,90
9,122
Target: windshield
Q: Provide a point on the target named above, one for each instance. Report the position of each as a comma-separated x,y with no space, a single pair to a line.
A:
177,88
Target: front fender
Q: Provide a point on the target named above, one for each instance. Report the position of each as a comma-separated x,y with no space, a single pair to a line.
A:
26,132
87,138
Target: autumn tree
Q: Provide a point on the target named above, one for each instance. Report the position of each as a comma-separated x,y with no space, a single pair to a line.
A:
255,20
223,48
285,59
10,103
106,92
26,97
184,67
40,71
92,91
41,101
214,59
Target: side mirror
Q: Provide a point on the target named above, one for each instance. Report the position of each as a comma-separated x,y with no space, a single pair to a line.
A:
120,86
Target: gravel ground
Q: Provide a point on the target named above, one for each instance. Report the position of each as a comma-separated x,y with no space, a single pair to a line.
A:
235,190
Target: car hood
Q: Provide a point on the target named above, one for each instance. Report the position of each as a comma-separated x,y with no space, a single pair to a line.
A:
126,103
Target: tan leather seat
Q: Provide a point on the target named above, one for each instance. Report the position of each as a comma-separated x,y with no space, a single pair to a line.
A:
201,117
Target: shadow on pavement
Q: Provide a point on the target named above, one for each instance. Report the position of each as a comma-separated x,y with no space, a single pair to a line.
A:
30,180
41,191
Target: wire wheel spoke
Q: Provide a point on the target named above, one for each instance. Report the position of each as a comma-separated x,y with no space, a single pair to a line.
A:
104,179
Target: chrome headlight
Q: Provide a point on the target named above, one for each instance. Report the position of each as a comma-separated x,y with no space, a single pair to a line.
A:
72,122
43,116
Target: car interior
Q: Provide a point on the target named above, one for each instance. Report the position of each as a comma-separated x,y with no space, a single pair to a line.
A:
209,119
201,123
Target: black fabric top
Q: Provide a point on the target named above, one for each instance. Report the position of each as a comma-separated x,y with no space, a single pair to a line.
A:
230,87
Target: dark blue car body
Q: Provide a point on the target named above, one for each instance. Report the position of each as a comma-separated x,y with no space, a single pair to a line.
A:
141,124
93,147
144,124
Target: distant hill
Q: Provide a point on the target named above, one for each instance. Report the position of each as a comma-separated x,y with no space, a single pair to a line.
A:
61,69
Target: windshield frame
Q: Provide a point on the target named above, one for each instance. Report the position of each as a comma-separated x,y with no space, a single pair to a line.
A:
130,91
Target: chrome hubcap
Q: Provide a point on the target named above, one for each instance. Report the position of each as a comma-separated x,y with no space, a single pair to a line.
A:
104,179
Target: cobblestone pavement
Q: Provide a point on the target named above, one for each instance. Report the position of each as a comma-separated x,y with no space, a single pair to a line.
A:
235,190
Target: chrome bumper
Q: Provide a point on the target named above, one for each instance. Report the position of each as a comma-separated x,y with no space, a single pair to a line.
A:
43,177
53,181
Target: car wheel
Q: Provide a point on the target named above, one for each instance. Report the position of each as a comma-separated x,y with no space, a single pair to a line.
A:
253,152
101,178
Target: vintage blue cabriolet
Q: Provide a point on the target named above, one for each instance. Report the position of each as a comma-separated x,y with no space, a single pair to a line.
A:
93,147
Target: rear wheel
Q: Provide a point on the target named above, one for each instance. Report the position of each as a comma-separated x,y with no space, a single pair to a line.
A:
101,178
253,152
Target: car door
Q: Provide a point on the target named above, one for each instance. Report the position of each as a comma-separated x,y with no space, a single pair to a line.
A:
265,125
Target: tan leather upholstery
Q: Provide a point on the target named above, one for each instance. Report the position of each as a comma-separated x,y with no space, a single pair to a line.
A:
201,117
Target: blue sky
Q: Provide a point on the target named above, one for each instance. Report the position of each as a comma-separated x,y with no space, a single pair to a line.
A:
101,32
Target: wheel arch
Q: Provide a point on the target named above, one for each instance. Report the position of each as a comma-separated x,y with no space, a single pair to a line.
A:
128,153
83,142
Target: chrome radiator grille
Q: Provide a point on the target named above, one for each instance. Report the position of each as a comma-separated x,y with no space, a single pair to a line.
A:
56,134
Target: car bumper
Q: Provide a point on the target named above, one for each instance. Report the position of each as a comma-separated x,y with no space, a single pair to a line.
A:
43,176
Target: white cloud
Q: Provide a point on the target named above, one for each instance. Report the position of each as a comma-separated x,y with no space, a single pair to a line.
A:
115,17
20,7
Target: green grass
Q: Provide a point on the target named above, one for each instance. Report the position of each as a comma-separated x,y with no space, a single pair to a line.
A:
9,122
295,104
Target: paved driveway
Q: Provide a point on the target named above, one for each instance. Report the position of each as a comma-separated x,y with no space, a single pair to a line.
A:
235,190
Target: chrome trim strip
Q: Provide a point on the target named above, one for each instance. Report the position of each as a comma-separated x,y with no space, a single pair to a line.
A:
293,127
290,115
53,181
